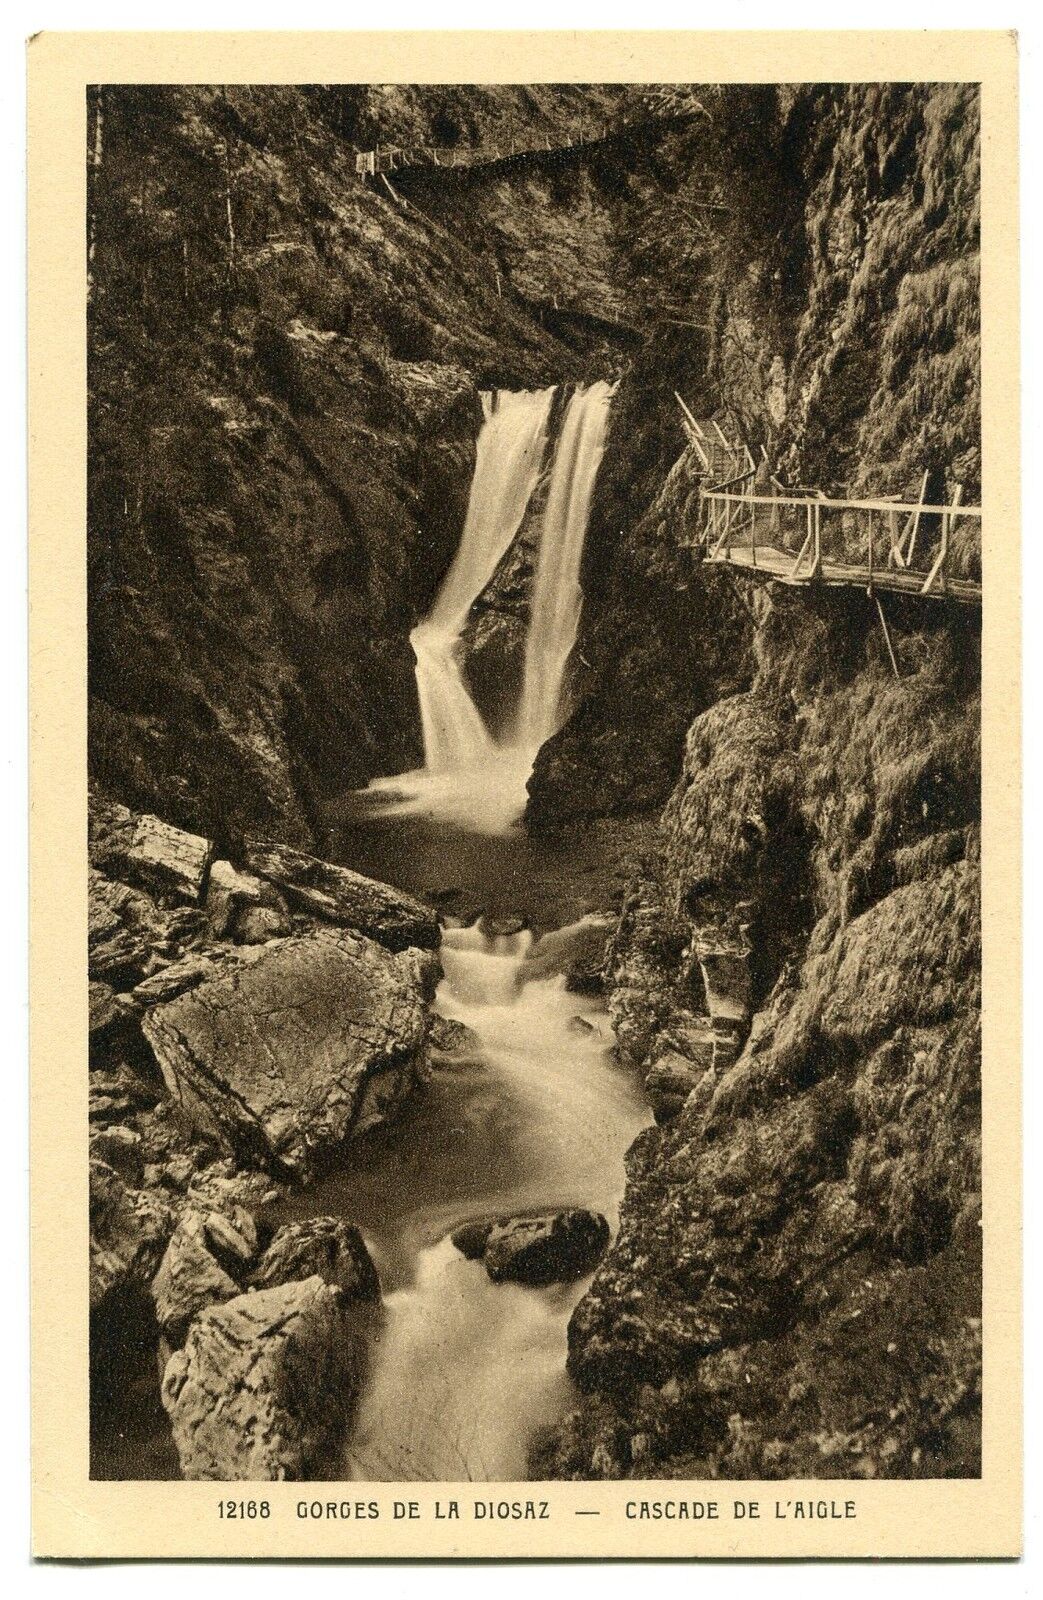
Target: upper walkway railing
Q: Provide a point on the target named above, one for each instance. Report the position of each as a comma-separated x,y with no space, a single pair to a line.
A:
928,550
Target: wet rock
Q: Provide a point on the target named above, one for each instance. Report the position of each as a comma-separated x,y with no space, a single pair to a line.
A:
472,1238
337,895
460,904
536,1250
285,1057
325,1247
577,950
452,1040
581,1027
189,1279
264,1385
501,926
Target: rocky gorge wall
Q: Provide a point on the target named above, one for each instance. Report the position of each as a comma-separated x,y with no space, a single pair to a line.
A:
795,1289
284,374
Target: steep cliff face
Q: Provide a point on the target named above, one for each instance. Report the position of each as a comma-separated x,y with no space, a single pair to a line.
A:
284,366
814,252
795,1290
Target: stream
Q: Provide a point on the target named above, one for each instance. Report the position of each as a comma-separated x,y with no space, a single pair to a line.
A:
534,1115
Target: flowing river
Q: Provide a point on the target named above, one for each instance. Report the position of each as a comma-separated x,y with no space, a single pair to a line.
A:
533,1114
530,1113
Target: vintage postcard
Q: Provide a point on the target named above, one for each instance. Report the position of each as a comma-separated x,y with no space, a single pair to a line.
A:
526,794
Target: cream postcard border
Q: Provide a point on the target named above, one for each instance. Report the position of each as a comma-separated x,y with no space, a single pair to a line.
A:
76,1517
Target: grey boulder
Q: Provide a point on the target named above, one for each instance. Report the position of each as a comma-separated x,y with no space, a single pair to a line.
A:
285,1056
265,1384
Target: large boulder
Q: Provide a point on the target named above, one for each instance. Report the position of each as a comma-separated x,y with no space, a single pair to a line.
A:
346,898
537,1250
265,1384
285,1056
325,1247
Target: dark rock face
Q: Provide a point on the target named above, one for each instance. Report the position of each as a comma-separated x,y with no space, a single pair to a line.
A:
128,1233
310,1041
536,1250
800,1234
323,1247
264,1384
340,896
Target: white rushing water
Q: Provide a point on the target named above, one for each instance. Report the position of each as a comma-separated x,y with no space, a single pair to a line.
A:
557,597
466,1370
507,465
468,778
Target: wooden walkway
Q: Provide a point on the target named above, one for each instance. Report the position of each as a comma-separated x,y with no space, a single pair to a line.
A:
874,545
386,160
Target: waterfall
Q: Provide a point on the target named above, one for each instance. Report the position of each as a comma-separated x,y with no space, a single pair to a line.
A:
509,456
467,776
557,598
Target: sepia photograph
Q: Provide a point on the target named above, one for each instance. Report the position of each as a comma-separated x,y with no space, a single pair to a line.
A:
534,585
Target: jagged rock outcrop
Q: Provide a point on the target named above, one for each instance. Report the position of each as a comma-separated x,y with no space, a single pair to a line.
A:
190,1277
338,895
285,1057
128,1233
795,1287
265,1384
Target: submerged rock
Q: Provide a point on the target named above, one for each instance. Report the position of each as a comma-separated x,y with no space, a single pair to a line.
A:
324,1247
452,1040
557,1248
265,1384
285,1056
347,898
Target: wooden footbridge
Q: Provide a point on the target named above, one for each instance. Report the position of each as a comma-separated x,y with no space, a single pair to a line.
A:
386,160
805,539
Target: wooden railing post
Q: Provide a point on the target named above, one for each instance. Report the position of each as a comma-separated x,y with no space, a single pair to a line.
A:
818,540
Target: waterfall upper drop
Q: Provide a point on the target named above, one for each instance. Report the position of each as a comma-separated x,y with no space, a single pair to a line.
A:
509,456
467,776
557,598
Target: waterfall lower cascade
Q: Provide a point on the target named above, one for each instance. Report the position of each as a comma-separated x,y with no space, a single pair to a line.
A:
467,776
465,1370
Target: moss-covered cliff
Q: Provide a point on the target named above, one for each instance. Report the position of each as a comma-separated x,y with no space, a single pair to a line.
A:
795,1290
815,256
